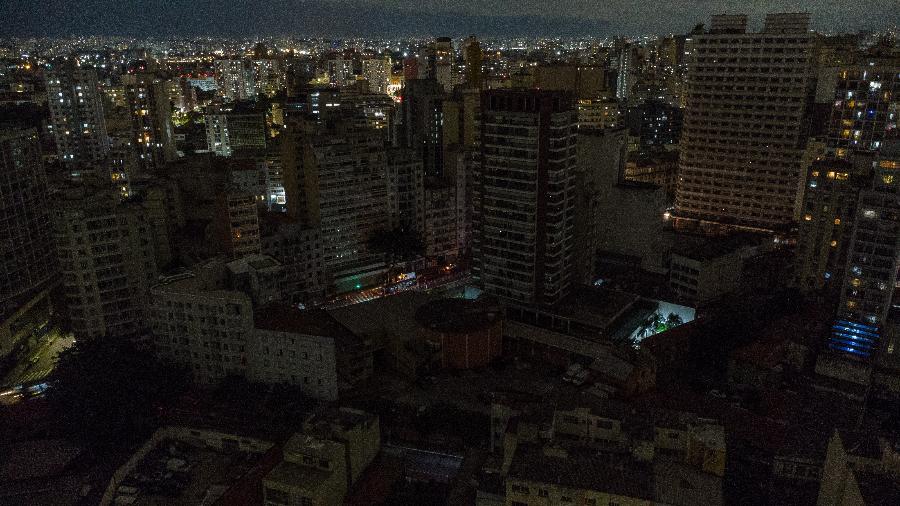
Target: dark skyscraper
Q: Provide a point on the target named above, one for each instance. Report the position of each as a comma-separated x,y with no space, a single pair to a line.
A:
525,201
423,122
742,143
26,252
473,57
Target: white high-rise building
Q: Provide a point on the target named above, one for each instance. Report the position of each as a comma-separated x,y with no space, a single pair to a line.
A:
378,72
234,79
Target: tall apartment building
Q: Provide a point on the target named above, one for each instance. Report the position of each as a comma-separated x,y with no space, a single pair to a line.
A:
183,94
275,197
525,195
238,223
439,235
423,121
372,110
26,252
106,257
378,72
334,178
194,321
229,133
584,81
76,115
862,328
598,113
340,71
628,72
866,104
864,110
656,124
473,58
742,142
151,121
268,77
826,222
405,180
459,171
234,80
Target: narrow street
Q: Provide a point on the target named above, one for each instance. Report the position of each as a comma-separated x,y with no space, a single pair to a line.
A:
39,364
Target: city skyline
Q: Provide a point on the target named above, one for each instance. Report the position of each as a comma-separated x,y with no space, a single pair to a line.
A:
346,252
341,18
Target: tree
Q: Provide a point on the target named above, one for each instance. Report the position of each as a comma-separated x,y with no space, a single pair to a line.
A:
397,245
107,390
673,320
651,325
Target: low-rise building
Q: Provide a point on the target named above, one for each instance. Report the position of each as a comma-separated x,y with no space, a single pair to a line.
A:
701,270
313,473
203,320
182,466
320,464
299,250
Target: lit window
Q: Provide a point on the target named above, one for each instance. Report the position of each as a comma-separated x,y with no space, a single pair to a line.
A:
837,221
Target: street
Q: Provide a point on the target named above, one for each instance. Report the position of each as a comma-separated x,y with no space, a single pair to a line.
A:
40,362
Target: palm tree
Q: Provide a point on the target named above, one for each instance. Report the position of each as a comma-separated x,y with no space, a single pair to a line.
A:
650,326
397,245
674,320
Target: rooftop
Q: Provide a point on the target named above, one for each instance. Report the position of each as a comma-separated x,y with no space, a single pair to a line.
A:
255,262
304,444
296,475
595,307
456,315
580,468
37,458
178,473
313,322
704,249
343,417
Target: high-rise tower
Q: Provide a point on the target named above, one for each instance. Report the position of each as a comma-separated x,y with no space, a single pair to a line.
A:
525,195
742,144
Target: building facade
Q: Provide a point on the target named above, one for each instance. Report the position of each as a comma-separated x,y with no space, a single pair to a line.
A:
525,202
742,142
26,253
107,262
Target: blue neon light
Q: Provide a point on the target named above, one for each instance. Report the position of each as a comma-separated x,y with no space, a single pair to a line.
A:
854,338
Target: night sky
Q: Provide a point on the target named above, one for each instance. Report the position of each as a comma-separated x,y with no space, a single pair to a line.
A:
421,17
